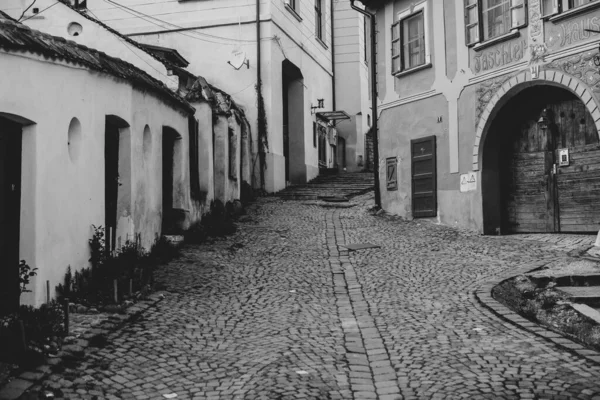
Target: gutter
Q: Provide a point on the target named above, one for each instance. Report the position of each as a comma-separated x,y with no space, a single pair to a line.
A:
374,127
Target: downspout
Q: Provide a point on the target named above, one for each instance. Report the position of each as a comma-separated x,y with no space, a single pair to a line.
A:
332,57
260,115
374,128
258,82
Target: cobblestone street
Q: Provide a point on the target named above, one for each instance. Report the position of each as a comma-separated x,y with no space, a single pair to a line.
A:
280,310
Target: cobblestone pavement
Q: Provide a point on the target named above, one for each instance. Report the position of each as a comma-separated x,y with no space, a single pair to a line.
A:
281,311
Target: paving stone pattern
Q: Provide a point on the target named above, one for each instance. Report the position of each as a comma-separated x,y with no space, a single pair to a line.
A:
281,310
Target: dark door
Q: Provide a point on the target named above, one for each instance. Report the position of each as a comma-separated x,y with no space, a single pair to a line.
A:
322,148
168,151
542,194
10,212
341,152
424,179
111,183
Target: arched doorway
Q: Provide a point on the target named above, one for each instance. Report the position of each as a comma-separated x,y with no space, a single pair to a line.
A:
171,167
117,177
526,187
293,122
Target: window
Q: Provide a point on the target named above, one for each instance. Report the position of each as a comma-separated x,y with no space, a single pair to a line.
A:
365,38
293,7
409,40
550,7
318,19
488,19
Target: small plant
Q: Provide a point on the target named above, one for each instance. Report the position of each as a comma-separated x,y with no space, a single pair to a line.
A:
25,274
97,247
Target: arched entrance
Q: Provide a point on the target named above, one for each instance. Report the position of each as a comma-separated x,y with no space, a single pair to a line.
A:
293,122
528,182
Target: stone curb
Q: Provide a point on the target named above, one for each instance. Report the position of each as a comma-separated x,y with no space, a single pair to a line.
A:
15,388
484,295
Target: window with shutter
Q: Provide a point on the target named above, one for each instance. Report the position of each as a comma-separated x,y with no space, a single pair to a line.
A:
392,174
488,19
410,48
424,177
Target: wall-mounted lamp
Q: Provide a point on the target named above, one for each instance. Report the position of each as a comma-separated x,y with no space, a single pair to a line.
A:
545,119
320,104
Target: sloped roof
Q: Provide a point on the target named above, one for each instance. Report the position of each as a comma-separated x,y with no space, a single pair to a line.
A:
116,33
18,37
221,101
169,54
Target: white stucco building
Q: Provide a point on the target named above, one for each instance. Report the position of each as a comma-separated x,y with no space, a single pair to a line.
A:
295,62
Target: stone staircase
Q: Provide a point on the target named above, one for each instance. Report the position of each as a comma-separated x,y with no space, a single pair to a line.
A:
333,187
579,280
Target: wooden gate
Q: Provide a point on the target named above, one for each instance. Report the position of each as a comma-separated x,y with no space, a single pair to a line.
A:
541,194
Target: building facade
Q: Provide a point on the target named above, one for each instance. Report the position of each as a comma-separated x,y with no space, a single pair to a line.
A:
488,113
88,139
351,85
220,39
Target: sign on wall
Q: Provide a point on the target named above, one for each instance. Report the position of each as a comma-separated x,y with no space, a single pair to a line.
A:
498,56
572,31
468,182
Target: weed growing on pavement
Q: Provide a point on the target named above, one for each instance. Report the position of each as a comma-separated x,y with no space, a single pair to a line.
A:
131,266
218,222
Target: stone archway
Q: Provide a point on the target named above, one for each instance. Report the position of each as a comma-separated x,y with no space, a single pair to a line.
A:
515,85
523,188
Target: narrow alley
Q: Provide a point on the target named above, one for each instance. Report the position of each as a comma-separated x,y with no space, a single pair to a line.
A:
282,310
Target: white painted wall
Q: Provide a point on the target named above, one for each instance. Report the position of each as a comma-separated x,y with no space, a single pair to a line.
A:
55,19
62,198
208,32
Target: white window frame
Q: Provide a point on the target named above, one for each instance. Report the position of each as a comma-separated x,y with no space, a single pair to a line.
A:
403,15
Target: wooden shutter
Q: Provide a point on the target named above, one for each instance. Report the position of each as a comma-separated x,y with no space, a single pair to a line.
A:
396,48
392,174
314,134
424,177
472,30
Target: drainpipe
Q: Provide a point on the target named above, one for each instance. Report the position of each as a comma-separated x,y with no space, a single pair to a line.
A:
373,68
258,81
332,56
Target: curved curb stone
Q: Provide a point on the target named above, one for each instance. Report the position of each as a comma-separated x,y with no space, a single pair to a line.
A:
484,295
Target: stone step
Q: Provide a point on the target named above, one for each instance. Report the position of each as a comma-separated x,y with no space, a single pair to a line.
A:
568,279
583,294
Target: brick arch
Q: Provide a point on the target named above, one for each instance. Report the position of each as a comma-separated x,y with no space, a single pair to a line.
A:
515,85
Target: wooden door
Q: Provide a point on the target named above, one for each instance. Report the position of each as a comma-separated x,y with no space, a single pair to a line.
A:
168,151
540,194
578,184
531,204
111,183
424,177
10,212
